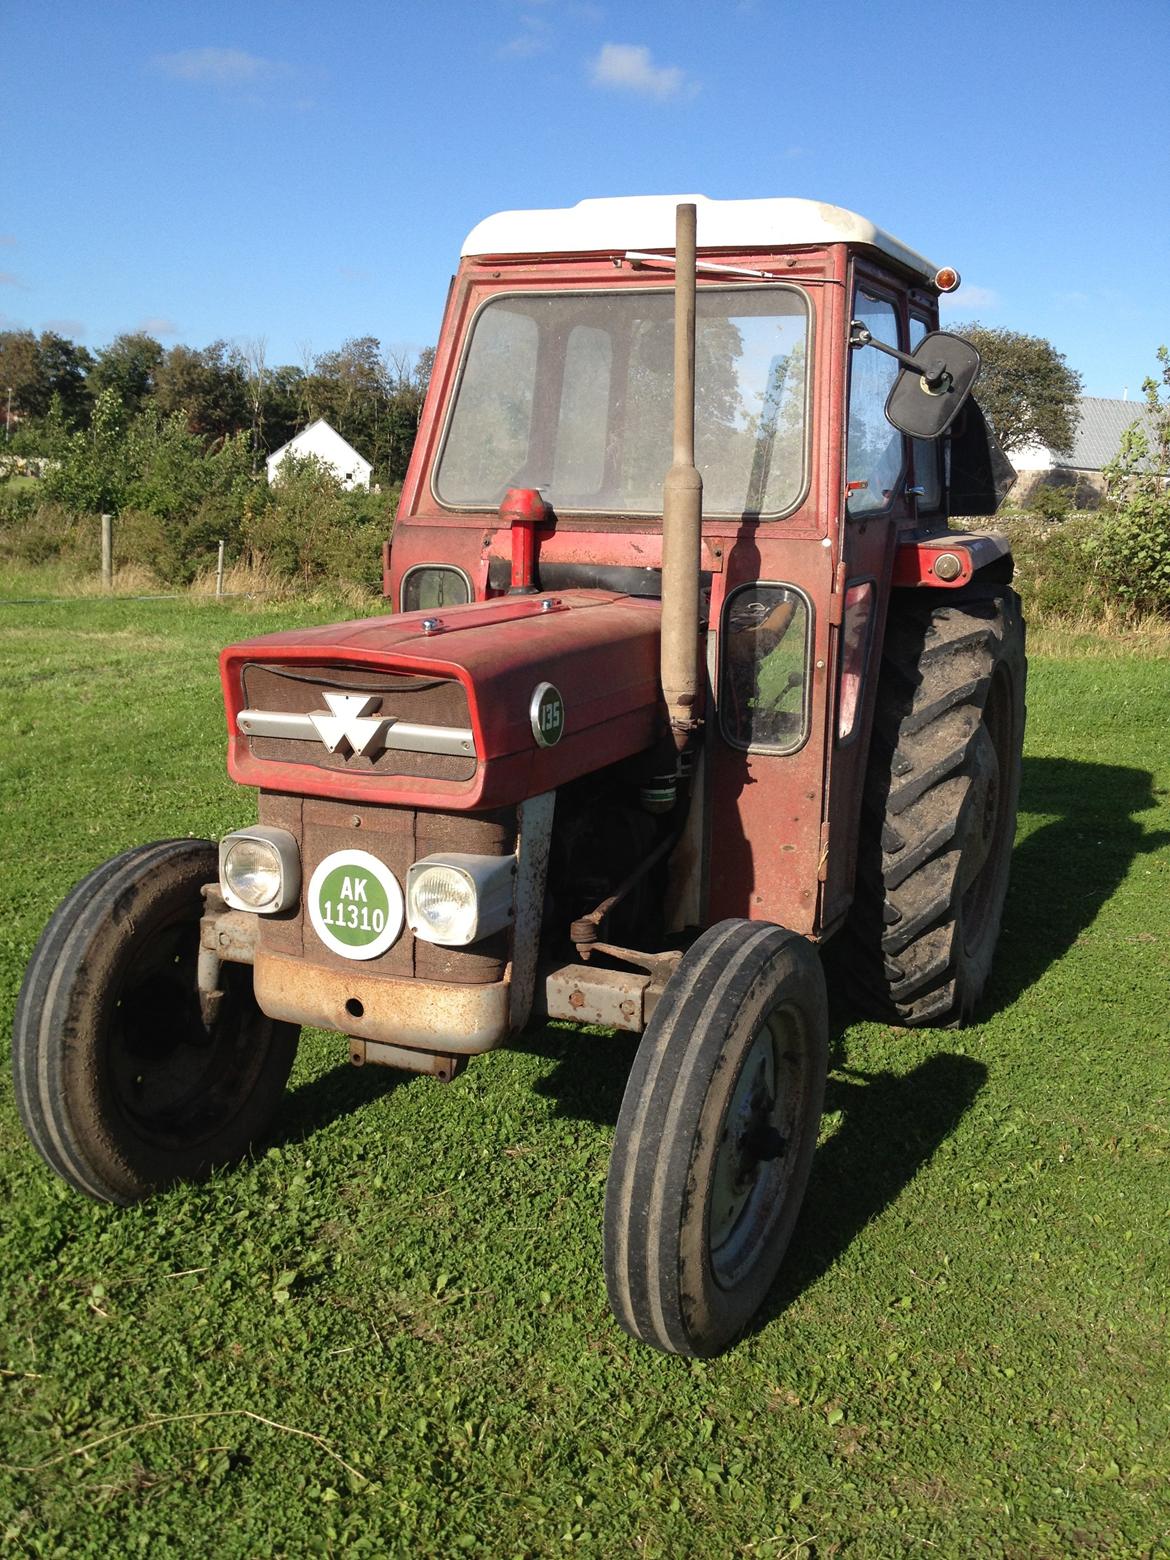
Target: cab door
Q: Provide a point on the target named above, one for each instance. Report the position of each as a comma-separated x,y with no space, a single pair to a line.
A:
879,480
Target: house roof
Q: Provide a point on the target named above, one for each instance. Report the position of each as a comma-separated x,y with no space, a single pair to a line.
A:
647,222
1098,436
318,422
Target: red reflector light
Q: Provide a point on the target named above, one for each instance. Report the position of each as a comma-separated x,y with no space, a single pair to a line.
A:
947,279
854,653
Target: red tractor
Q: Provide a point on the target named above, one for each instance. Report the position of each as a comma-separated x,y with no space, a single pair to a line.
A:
616,754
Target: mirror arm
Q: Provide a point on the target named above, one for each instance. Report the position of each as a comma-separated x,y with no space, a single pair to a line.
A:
934,373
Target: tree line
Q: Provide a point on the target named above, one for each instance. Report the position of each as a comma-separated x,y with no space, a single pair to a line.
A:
52,387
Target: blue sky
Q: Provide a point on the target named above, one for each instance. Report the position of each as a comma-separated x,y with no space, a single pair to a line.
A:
304,173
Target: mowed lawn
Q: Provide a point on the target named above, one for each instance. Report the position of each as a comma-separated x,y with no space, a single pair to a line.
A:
388,1333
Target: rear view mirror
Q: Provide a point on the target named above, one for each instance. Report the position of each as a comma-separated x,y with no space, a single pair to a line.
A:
935,381
928,396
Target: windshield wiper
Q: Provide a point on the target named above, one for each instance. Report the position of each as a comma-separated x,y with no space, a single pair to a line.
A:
637,257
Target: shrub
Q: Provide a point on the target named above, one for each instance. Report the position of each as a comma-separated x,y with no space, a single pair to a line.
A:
1135,539
308,528
1052,503
1056,565
33,530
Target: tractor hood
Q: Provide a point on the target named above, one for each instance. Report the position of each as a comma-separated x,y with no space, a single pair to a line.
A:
464,708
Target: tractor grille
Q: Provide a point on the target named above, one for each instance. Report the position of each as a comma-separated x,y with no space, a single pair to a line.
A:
397,837
423,725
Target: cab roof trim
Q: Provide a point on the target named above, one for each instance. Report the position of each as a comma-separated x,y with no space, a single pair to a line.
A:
625,222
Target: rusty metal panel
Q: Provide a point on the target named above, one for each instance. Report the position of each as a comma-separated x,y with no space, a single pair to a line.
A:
536,820
615,998
421,1015
375,1053
231,935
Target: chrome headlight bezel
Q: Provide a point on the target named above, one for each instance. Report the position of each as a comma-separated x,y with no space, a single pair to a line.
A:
488,883
286,866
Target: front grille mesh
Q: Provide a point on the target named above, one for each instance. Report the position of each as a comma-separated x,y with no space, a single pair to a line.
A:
298,690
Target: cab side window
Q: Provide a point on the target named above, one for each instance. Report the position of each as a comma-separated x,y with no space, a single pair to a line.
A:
876,448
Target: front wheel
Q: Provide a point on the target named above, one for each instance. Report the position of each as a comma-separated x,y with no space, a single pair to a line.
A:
715,1138
121,1085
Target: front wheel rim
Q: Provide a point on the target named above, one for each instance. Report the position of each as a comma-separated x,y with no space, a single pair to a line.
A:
757,1151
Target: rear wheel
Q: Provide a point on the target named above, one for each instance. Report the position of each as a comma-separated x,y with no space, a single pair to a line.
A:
715,1138
121,1085
940,808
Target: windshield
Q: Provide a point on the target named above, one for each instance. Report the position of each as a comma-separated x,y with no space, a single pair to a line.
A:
571,393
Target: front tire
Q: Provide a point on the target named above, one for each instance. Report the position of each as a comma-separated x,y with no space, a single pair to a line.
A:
120,1085
715,1138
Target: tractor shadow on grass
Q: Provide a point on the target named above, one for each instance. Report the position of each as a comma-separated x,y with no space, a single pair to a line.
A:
339,1092
591,1069
1066,870
891,1125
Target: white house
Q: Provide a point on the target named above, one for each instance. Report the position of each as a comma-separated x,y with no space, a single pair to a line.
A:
319,439
1095,443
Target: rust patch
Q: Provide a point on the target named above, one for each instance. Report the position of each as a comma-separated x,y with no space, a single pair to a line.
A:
421,1015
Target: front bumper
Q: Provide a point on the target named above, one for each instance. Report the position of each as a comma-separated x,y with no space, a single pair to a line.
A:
417,1014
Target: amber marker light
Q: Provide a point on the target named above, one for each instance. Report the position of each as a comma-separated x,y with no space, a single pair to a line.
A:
947,279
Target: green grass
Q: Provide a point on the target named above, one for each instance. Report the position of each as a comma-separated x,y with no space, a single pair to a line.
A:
388,1334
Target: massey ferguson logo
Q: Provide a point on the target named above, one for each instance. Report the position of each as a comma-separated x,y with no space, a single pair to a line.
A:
347,727
347,721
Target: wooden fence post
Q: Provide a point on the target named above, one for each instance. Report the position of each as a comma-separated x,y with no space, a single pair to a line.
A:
108,552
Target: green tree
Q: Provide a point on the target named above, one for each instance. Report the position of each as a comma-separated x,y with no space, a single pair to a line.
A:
351,389
97,465
36,369
20,372
1135,541
282,400
207,386
407,391
1026,389
128,367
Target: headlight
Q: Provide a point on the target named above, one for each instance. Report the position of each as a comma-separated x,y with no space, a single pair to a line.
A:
457,898
260,869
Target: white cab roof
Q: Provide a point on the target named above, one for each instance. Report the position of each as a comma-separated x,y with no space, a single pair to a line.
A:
647,222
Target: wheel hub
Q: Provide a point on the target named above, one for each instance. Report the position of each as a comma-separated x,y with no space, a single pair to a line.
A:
749,1162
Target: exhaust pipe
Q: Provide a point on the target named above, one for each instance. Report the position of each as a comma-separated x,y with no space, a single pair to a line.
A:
682,510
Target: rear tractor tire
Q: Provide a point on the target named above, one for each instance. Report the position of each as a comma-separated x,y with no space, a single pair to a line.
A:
120,1084
715,1138
939,811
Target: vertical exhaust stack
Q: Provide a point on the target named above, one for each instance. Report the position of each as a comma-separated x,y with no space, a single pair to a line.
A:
682,509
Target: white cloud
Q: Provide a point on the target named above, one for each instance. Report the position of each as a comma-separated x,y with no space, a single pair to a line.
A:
157,325
534,38
72,330
967,298
628,67
220,67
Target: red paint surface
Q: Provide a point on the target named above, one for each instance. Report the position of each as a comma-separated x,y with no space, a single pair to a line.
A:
781,830
914,561
522,510
598,649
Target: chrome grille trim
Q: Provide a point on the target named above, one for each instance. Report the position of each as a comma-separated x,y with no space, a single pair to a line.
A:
401,735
